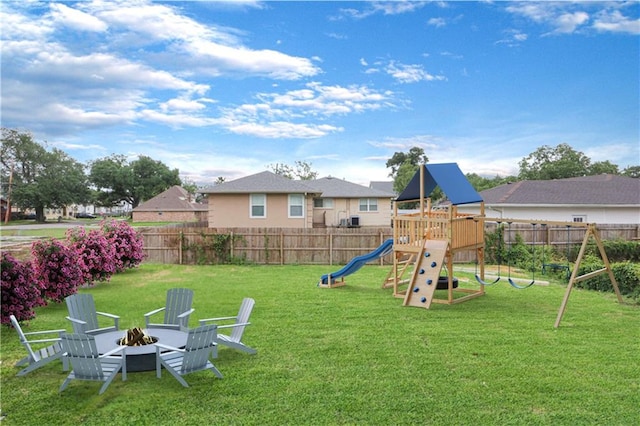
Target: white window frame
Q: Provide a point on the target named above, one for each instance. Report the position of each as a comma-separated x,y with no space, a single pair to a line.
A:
327,203
362,202
578,218
291,204
254,202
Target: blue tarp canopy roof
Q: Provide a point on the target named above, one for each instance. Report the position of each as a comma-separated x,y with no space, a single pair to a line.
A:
449,178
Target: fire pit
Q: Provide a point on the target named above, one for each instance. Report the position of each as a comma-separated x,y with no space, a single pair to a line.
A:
141,350
136,337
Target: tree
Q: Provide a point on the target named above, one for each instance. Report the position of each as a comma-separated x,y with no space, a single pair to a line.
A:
602,167
302,170
480,183
414,157
116,180
632,171
547,163
41,179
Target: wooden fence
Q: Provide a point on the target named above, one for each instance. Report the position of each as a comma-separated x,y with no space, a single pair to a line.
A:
325,246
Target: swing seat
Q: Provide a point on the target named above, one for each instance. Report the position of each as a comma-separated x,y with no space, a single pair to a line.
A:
555,267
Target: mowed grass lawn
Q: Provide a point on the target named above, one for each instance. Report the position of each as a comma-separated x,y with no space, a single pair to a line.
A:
353,355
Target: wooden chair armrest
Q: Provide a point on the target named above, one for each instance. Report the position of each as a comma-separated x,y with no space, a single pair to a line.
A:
186,313
108,315
34,333
77,321
170,348
44,340
234,325
155,311
206,320
122,349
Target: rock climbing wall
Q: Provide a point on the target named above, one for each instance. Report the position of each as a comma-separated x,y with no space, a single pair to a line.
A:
425,275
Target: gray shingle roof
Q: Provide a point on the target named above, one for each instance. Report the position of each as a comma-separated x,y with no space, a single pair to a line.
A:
331,187
386,186
264,182
175,198
599,189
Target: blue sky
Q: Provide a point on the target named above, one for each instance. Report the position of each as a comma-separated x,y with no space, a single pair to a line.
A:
228,88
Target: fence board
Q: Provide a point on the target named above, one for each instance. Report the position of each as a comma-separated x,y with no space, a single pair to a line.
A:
327,246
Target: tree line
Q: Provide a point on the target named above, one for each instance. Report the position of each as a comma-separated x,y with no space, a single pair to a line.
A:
545,163
34,177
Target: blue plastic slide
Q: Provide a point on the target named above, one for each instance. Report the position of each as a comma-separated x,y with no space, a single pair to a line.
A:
358,262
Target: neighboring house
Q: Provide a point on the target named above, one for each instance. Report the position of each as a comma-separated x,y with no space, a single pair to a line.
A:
173,205
343,203
270,200
605,199
385,186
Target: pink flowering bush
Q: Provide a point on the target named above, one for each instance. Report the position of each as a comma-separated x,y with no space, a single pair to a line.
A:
20,293
57,269
95,254
128,244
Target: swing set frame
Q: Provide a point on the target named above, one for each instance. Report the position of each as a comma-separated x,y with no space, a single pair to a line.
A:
591,232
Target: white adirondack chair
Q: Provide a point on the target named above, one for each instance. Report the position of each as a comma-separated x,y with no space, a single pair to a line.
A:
84,317
234,340
36,358
88,364
176,310
194,357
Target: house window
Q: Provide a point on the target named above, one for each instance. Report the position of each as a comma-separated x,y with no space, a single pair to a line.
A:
258,205
296,205
580,218
368,204
323,203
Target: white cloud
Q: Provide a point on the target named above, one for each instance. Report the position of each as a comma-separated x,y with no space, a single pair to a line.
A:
76,19
567,23
615,22
437,22
213,50
410,73
570,17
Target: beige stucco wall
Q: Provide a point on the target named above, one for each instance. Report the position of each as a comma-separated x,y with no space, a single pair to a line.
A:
232,210
344,208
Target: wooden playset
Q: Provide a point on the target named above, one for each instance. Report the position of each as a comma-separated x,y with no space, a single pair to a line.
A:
426,241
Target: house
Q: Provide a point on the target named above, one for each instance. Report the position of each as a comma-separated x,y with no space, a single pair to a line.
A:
173,205
342,203
386,186
605,199
269,200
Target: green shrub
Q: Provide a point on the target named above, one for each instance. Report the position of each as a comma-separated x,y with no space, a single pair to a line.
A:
627,276
617,250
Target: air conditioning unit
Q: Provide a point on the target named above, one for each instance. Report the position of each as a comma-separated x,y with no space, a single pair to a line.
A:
354,221
343,222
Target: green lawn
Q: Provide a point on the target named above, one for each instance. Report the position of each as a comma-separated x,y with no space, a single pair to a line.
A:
354,355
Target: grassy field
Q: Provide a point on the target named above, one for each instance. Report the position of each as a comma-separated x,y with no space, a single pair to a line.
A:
353,355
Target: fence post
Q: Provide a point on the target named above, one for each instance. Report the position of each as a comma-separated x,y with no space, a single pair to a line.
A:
180,237
232,246
281,247
330,248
